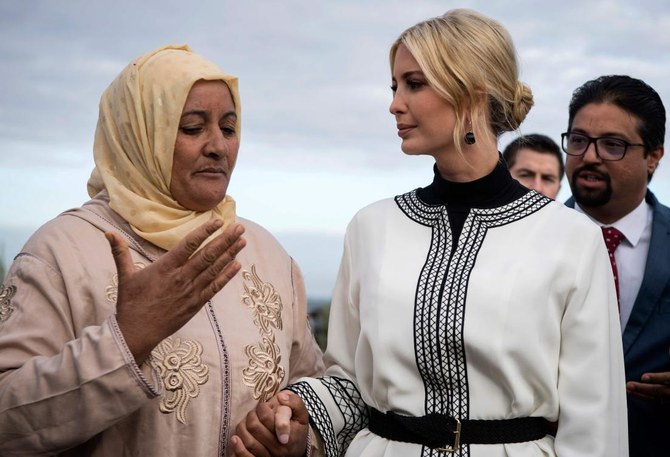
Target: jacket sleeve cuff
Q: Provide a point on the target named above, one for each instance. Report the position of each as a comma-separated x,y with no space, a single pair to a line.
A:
146,376
314,444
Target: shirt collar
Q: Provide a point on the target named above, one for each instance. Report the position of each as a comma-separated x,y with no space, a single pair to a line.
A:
631,225
491,191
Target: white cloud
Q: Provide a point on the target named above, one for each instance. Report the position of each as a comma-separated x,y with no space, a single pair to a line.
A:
314,81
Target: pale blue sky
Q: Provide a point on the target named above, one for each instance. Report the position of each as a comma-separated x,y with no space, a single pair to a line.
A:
318,142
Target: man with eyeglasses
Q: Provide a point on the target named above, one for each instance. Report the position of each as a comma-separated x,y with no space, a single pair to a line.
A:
614,143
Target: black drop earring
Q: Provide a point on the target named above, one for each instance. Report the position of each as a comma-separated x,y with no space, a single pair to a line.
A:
469,138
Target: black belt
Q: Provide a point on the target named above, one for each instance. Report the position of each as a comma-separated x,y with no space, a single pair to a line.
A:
446,433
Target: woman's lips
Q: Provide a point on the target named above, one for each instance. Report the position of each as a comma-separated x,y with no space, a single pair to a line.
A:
404,129
211,172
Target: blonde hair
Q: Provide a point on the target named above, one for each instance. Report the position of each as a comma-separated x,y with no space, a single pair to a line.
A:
470,59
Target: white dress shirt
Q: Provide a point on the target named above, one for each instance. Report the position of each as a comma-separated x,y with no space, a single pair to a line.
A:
631,255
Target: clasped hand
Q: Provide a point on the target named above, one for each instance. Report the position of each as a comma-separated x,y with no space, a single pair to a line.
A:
278,427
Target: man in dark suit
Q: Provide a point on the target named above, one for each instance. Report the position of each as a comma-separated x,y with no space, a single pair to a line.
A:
614,143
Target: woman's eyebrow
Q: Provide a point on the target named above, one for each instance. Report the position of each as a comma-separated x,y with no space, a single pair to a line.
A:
203,113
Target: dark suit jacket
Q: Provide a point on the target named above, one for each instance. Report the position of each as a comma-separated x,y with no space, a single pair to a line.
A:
646,339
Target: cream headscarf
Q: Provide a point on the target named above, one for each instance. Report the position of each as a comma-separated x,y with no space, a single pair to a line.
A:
135,138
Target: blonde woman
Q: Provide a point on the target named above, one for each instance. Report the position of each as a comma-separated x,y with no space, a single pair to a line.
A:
470,315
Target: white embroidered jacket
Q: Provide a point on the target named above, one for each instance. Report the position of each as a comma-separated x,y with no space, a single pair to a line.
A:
518,320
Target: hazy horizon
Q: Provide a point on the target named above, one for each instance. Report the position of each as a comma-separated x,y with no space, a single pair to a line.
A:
319,270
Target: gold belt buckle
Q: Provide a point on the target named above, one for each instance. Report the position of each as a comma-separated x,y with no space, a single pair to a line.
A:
457,440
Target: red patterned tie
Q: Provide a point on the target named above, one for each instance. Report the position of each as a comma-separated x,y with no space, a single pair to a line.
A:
613,238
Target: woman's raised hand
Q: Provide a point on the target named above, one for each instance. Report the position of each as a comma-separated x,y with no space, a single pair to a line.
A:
156,301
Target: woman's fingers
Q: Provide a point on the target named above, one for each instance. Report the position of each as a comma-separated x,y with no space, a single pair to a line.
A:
253,435
291,413
121,254
239,448
211,268
157,300
182,252
277,427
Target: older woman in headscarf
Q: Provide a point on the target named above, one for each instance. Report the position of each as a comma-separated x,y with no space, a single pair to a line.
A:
161,345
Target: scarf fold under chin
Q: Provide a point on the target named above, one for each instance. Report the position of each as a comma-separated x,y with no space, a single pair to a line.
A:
180,223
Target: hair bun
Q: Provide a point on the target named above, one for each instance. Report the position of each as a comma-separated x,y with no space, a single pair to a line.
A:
523,101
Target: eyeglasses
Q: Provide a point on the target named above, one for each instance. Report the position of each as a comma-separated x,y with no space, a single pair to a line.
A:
607,148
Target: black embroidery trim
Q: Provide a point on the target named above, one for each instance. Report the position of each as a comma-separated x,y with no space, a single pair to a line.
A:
225,382
318,416
441,297
348,399
351,405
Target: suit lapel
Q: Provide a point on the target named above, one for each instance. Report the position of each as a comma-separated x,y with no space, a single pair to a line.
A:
656,273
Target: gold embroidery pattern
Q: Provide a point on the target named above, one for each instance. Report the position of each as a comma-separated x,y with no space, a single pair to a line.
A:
263,300
6,307
182,371
264,373
112,290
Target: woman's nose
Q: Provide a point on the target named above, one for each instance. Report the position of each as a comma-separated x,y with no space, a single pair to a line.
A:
216,145
397,105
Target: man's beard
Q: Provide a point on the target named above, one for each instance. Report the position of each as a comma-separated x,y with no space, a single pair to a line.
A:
588,197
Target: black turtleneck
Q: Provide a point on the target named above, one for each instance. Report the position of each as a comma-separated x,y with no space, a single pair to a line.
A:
496,189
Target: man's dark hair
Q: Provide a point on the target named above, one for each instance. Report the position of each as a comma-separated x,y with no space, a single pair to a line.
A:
631,95
537,143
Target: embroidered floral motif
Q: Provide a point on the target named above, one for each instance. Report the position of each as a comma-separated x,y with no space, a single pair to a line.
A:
264,300
264,374
6,307
112,290
182,371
